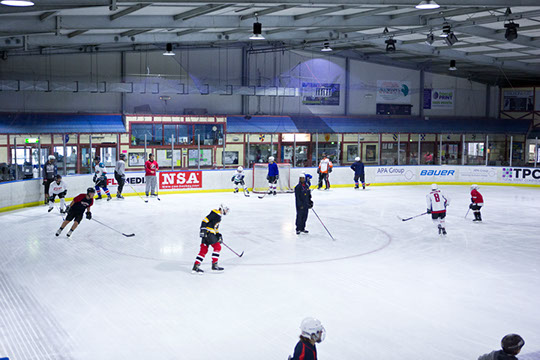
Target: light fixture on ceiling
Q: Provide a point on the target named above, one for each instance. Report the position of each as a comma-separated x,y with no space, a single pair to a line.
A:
430,39
427,5
511,32
17,3
169,51
446,29
257,30
390,45
385,31
508,12
452,65
451,39
326,47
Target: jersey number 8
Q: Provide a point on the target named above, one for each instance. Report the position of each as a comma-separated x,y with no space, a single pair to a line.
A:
437,198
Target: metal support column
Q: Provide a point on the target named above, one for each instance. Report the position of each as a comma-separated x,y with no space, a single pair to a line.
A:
421,97
247,160
379,150
294,150
199,151
17,166
440,149
223,152
398,148
536,151
317,149
90,156
511,150
358,147
463,150
39,157
338,152
419,142
65,153
145,149
347,85
172,152
272,146
486,149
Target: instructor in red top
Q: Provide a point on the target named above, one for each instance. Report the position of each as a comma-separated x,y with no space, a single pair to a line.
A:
477,201
151,167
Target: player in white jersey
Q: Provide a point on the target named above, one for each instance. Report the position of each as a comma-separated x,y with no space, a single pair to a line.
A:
436,206
238,179
57,187
100,179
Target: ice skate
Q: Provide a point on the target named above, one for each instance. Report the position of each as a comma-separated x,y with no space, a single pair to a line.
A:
298,232
440,229
69,233
99,197
363,187
216,267
59,231
109,197
356,187
235,191
443,231
196,269
62,211
275,193
269,192
305,231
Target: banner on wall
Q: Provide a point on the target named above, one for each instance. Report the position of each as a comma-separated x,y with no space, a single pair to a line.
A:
442,98
427,99
517,175
320,94
518,100
133,179
169,180
394,174
393,92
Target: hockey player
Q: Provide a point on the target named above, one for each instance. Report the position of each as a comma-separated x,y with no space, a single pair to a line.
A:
151,168
477,201
76,209
273,176
358,167
120,175
312,332
302,196
59,188
436,206
49,174
511,346
238,179
324,170
210,236
100,179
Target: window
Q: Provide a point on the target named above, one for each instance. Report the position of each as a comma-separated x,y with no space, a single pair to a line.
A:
210,134
154,134
205,157
352,152
185,134
169,132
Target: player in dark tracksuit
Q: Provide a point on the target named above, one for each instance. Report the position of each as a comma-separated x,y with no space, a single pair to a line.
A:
312,332
358,167
50,171
302,194
304,350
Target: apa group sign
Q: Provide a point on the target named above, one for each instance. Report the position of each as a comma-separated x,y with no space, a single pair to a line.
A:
180,180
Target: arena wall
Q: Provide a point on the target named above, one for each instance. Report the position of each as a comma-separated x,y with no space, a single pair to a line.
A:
19,194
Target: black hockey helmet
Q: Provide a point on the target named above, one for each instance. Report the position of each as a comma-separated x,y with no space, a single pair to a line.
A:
512,344
122,156
90,190
58,177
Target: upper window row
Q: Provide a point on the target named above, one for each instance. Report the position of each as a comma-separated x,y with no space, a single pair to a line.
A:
163,134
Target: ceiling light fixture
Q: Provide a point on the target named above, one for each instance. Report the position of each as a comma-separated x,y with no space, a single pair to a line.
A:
326,47
17,3
452,65
169,51
511,33
451,39
257,30
446,29
427,5
430,39
390,45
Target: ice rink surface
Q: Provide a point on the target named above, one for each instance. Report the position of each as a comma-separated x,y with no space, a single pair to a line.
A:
385,289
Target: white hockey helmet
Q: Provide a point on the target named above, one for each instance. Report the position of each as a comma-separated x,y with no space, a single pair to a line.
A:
271,158
223,209
239,169
474,187
434,187
51,157
313,329
357,159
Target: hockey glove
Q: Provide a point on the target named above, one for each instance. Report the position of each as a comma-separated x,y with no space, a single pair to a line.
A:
329,170
429,211
67,209
220,238
89,215
311,204
471,206
232,179
202,234
94,179
277,177
44,182
267,177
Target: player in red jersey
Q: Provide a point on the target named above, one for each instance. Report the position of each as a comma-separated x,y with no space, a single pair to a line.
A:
76,209
477,201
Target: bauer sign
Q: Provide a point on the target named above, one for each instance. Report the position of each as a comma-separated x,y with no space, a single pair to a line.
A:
180,180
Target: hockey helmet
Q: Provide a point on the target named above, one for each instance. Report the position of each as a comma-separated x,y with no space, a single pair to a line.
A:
224,209
239,169
474,187
90,190
122,156
512,344
271,158
51,157
357,159
313,329
434,187
58,177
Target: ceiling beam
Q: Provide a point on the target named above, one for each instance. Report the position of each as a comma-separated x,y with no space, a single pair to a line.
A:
457,12
467,45
370,12
267,11
187,32
47,15
134,32
522,57
128,11
320,12
76,33
203,10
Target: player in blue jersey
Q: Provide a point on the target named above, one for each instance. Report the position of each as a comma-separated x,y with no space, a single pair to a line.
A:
312,333
273,175
100,179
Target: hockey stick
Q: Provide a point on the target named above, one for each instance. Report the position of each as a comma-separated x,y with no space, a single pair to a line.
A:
113,229
412,217
245,194
137,193
323,224
469,209
235,253
263,195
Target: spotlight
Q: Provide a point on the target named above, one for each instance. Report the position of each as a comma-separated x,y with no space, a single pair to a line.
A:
446,29
169,51
452,65
451,39
427,5
17,3
326,47
257,30
511,33
430,39
390,45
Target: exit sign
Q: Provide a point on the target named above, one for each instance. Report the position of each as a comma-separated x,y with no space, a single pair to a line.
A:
31,141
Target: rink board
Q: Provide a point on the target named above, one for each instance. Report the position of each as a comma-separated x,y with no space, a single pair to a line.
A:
25,193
